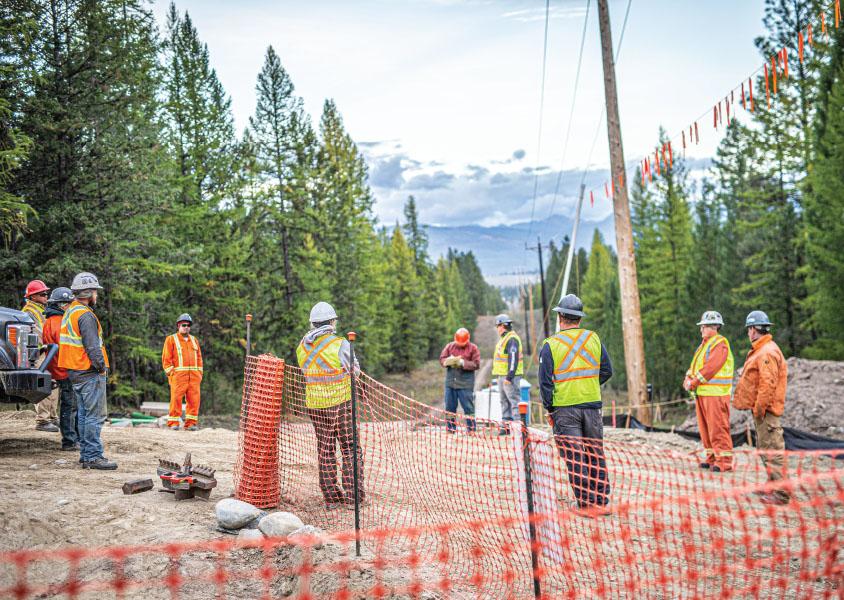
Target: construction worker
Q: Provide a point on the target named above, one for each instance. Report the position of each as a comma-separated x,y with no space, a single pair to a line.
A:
761,388
325,360
573,364
181,359
710,380
461,358
508,366
82,352
63,393
36,295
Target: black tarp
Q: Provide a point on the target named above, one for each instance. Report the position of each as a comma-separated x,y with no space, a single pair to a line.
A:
794,438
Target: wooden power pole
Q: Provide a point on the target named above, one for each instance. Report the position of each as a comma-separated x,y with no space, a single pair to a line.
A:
631,316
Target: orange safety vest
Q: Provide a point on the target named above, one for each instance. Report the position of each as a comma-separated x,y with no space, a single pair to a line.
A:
72,353
185,360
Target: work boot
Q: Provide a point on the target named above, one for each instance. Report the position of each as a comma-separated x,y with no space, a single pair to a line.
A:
704,465
70,448
100,464
191,427
46,426
174,427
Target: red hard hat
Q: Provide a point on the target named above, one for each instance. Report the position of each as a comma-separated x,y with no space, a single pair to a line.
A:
461,336
35,286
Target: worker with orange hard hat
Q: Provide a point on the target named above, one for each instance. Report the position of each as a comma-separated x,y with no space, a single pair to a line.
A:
461,358
181,359
46,412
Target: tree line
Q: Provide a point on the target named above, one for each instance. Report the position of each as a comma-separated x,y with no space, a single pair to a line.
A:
119,155
762,229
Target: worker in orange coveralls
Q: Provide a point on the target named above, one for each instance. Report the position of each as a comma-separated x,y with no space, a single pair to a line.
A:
182,362
710,379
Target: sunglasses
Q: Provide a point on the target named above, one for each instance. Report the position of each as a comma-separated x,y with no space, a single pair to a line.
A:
184,325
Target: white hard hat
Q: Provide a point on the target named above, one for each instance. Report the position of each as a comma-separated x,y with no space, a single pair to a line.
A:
711,317
85,281
321,312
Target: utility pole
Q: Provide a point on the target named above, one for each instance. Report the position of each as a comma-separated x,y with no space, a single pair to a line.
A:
631,316
528,347
572,242
542,287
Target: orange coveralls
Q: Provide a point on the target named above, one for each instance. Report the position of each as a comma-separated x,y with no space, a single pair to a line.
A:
182,362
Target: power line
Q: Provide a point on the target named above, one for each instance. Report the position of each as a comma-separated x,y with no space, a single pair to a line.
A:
541,110
571,112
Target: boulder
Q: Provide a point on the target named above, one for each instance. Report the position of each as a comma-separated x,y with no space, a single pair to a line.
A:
303,535
280,524
249,535
234,514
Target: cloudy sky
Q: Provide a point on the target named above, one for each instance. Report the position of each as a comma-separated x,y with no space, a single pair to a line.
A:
443,96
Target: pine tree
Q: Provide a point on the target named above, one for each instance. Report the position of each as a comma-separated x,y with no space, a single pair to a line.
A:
824,214
406,351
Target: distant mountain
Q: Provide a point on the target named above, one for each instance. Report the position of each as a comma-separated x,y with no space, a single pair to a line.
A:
500,251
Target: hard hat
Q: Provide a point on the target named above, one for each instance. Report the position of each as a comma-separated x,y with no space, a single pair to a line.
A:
184,318
321,312
61,294
711,317
34,287
570,305
85,281
461,336
503,319
757,318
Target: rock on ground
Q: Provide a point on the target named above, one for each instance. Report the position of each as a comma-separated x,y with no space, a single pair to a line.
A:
301,535
234,514
280,524
248,535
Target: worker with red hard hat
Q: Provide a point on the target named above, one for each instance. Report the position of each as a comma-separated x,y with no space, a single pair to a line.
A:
46,412
461,358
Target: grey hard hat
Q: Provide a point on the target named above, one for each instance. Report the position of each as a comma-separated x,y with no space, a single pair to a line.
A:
85,281
757,318
61,294
570,305
321,312
503,319
711,317
184,318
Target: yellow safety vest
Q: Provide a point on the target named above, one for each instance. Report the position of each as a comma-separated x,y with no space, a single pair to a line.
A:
181,362
722,383
577,363
36,311
327,382
72,354
500,366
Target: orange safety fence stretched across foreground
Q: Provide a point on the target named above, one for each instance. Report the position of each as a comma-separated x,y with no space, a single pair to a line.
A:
444,514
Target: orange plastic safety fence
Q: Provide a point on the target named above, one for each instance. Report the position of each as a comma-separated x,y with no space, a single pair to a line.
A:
256,471
713,545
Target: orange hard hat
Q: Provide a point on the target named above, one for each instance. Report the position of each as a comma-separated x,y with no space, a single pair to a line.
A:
34,287
461,336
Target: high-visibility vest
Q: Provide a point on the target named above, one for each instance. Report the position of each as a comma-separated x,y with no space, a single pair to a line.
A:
722,382
36,311
577,364
180,359
72,353
500,364
327,382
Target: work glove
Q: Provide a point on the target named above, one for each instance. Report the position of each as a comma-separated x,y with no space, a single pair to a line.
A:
460,363
450,361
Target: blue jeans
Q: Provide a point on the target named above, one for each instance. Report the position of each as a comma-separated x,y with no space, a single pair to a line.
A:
466,398
67,414
91,414
579,434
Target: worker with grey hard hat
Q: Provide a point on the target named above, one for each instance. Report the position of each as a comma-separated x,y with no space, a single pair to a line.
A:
181,359
82,352
573,364
62,394
326,362
508,365
762,389
709,379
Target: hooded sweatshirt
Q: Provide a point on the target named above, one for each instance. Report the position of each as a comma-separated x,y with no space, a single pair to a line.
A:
345,348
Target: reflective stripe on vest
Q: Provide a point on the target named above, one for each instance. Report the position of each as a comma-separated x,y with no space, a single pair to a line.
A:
181,363
36,311
500,359
72,354
577,362
722,382
327,382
